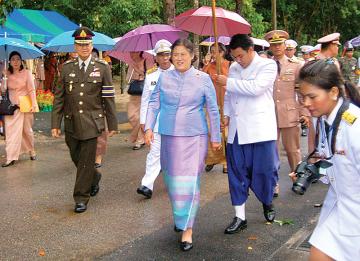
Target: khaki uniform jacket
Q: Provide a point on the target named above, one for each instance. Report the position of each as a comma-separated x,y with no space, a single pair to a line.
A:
85,99
287,106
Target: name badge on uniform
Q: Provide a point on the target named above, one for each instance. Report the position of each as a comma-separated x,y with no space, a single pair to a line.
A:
153,83
72,74
289,71
94,74
70,86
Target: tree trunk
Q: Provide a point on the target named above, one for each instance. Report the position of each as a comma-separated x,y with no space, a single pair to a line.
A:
196,40
238,6
169,15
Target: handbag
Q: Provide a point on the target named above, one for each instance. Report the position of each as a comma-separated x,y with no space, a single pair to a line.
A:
6,107
136,87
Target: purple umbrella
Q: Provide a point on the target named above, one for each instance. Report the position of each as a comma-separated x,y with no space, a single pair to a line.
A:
355,42
145,37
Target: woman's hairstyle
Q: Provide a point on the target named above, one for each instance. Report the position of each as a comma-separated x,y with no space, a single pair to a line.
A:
187,44
325,74
222,47
11,69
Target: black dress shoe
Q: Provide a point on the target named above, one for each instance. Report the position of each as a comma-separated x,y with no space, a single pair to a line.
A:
95,188
145,191
177,230
208,168
138,146
8,164
186,246
80,207
235,226
269,212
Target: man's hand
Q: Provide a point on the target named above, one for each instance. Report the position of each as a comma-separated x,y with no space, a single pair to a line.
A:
55,133
112,133
221,80
149,137
224,123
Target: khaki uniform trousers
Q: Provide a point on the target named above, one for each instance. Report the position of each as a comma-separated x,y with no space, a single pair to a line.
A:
290,138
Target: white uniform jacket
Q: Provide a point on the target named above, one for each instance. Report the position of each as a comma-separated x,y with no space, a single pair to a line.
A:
149,85
249,101
344,175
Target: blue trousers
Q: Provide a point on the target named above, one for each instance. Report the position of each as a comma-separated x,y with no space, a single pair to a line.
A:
252,166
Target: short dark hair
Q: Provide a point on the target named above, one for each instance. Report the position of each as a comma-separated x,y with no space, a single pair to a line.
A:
241,40
325,74
187,44
325,46
13,53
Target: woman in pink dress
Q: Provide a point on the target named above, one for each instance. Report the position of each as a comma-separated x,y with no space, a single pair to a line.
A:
18,127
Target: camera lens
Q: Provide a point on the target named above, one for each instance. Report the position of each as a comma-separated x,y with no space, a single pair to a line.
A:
300,190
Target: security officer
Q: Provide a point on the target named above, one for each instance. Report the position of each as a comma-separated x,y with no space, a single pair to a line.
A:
163,52
348,65
288,110
85,97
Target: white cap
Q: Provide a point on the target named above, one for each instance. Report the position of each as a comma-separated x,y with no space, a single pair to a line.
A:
162,46
306,48
291,44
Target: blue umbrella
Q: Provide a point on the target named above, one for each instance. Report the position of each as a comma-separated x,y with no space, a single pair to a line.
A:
26,50
64,43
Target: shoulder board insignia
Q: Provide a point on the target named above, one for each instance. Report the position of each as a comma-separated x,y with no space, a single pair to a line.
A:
348,117
151,70
100,61
293,60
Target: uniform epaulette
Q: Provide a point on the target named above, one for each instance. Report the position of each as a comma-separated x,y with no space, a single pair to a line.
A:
294,60
151,70
348,117
100,61
69,61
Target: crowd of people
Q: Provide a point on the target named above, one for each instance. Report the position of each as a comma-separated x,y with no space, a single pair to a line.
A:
193,119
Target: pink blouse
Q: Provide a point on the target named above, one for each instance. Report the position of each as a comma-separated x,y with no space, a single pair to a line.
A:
20,84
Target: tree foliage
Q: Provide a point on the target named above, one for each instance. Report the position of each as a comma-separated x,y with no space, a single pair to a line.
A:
305,21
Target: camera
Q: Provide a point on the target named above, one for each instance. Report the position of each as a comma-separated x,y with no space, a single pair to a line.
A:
307,173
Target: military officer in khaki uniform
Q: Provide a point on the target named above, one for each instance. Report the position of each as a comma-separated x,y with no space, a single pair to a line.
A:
85,97
329,47
288,110
290,50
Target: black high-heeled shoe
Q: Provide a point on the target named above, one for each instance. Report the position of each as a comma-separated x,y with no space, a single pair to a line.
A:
186,246
8,164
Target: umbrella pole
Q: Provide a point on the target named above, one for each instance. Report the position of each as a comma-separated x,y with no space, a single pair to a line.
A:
218,71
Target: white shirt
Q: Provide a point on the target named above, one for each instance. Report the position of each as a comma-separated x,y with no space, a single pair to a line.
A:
87,61
149,85
249,101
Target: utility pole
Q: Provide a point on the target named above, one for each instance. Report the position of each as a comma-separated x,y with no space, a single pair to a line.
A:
273,14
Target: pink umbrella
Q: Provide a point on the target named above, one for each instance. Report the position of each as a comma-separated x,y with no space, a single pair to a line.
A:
145,37
199,21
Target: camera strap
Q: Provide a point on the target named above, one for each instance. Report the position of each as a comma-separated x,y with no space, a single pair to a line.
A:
334,128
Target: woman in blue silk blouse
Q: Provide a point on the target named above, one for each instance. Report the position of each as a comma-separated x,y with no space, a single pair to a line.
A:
179,98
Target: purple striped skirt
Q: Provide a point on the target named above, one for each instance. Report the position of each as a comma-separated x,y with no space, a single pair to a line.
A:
182,162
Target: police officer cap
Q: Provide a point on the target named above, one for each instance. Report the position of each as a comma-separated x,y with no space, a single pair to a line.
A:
83,35
276,36
330,38
290,44
306,48
162,46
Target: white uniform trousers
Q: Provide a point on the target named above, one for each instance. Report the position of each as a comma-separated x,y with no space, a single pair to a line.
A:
153,166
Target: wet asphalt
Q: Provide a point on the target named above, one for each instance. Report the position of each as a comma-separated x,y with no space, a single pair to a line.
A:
37,221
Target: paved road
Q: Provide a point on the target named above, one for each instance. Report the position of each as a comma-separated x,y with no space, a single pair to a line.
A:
37,221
